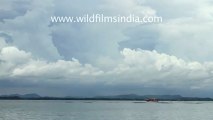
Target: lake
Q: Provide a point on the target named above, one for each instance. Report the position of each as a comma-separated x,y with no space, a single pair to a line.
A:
104,110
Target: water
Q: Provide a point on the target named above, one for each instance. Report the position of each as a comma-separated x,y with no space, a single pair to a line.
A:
104,110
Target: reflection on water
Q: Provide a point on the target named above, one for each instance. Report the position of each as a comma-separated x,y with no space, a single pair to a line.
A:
104,110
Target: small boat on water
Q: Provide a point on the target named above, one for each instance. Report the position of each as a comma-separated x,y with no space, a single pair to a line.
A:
151,100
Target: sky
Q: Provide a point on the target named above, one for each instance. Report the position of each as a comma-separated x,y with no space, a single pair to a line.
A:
90,59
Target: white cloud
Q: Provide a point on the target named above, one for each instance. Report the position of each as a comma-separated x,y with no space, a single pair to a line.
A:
151,67
138,67
14,55
17,63
60,69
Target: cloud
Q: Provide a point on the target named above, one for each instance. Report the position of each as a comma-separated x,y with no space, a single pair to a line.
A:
89,40
31,31
10,58
10,10
53,70
185,31
63,40
172,56
14,55
153,68
2,43
138,67
20,64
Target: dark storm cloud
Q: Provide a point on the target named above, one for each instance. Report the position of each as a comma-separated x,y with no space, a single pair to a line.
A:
7,38
143,36
16,8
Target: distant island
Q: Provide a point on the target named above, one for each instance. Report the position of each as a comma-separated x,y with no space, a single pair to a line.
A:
114,97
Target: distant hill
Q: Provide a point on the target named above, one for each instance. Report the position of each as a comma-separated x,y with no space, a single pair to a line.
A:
143,97
25,96
35,96
127,96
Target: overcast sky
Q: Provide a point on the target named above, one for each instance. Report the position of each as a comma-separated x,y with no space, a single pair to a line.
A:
88,59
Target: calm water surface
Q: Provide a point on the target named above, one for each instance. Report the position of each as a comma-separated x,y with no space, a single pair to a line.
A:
104,110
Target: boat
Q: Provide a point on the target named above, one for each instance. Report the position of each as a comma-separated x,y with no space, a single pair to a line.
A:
151,100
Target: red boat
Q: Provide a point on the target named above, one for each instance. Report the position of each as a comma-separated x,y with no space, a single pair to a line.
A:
151,100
